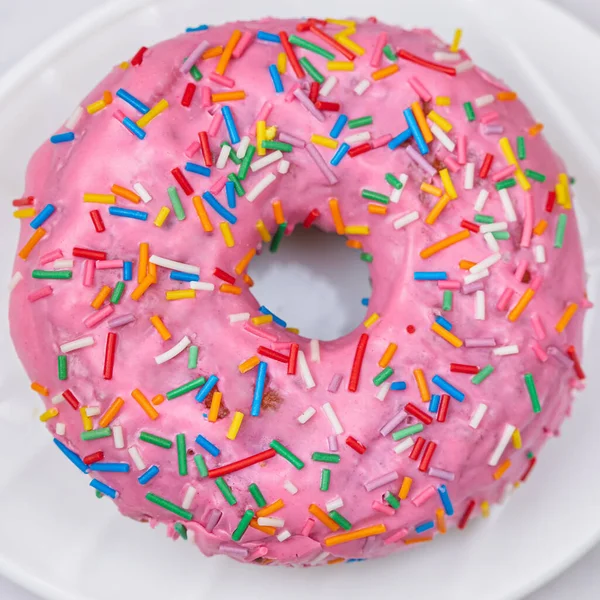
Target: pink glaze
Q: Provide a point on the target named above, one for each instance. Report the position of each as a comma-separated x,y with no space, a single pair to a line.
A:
106,153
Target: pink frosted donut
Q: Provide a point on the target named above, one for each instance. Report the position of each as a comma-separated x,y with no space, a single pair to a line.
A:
133,315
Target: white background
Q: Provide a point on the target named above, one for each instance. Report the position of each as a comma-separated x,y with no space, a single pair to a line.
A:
24,25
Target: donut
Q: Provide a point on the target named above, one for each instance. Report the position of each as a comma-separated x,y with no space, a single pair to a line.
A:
187,403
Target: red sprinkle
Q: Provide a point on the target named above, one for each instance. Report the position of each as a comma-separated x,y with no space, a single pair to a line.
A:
426,63
486,165
529,469
223,275
576,364
313,94
333,43
182,181
328,106
293,359
424,466
206,154
460,368
464,519
264,351
443,408
109,354
188,94
361,149
70,398
410,329
356,445
359,355
416,449
289,51
470,226
91,254
139,56
312,215
416,412
23,201
92,458
241,464
97,220
550,201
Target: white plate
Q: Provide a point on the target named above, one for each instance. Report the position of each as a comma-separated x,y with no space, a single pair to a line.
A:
59,541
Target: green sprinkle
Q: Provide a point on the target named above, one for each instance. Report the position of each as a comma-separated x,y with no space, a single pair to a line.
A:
447,301
195,73
181,454
371,195
273,145
535,175
383,375
366,257
193,357
487,219
506,183
232,154
298,41
392,500
244,523
201,465
483,374
257,495
561,226
226,491
469,111
180,512
62,367
40,274
181,529
393,181
389,53
289,456
239,189
404,433
572,180
535,401
361,122
185,388
243,171
99,494
312,70
278,237
326,457
501,235
530,455
117,292
521,152
155,440
96,434
341,521
176,202
325,479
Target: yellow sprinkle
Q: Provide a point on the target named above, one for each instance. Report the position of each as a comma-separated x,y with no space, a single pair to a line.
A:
95,107
446,335
262,320
165,334
431,189
440,520
340,65
522,180
49,414
271,132
87,422
456,40
102,295
385,72
32,242
422,385
485,509
336,215
321,140
235,425
243,264
248,364
100,198
502,469
162,215
443,100
225,288
377,209
436,211
356,230
342,23
39,388
293,330
566,317
370,321
24,213
143,261
227,235
357,534
124,65
564,180
228,96
142,288
144,404
202,214
278,212
439,121
516,439
265,236
535,129
261,132
387,356
281,63
540,227
349,44
447,183
180,294
405,488
153,112
215,404
516,484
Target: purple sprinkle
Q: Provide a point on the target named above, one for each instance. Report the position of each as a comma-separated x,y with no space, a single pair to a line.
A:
370,542
233,550
554,352
420,161
393,423
195,54
381,481
320,162
332,443
469,288
291,139
308,105
213,518
120,321
441,474
492,129
480,342
334,384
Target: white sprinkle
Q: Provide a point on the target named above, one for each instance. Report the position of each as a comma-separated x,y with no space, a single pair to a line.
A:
174,351
472,277
492,227
189,497
509,211
284,535
446,56
58,399
315,353
384,388
507,492
358,138
478,415
396,194
506,350
62,263
260,187
362,87
92,411
320,558
334,504
404,445
480,305
14,281
284,166
290,487
72,121
305,373
142,192
329,84
407,219
464,66
202,286
492,242
83,342
469,175
223,156
540,253
60,429
118,439
243,146
238,317
484,100
265,161
174,265
270,522
136,457
486,263
502,443
191,536
333,418
306,415
481,200
440,134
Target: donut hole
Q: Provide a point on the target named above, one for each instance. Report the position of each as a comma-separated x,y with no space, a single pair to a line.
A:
314,282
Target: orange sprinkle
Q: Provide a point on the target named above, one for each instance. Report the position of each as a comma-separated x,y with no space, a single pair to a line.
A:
318,512
466,264
265,511
153,271
436,211
248,364
215,404
358,534
335,561
440,520
111,412
506,96
268,530
230,289
337,216
417,540
39,388
125,193
385,72
431,189
248,280
158,399
202,214
377,209
144,404
422,121
278,212
107,97
354,244
540,227
212,52
566,317
141,289
143,261
227,52
228,96
31,243
422,385
102,295
502,469
446,335
165,334
243,264
387,356
535,129
405,488
445,243
521,305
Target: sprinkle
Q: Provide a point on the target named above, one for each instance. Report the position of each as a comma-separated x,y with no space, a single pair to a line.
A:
361,87
285,453
531,390
355,535
260,187
448,388
59,138
144,404
333,419
502,443
103,488
174,351
561,226
25,251
426,63
180,512
322,516
407,431
306,415
83,342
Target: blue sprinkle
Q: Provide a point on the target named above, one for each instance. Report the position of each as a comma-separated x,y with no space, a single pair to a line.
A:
353,560
43,216
74,458
110,467
206,388
424,526
276,77
234,136
127,270
152,472
265,311
105,489
219,208
199,28
134,128
198,169
179,276
137,104
430,275
340,153
434,403
210,448
68,136
365,302
443,322
268,37
445,498
339,125
398,386
448,388
415,130
230,191
117,211
259,388
399,139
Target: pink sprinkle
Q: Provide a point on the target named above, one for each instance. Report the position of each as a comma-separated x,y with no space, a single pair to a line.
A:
194,55
109,264
528,221
489,117
383,508
263,113
503,173
120,321
291,139
192,149
289,229
381,141
51,256
538,326
259,332
393,423
396,537
310,523
308,105
451,163
539,351
332,443
244,42
462,148
38,294
449,285
218,185
419,88
521,268
378,50
289,96
98,316
119,115
215,124
470,288
423,496
334,384
320,162
206,96
585,303
260,552
505,298
536,283
222,80
89,270
381,481
213,518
